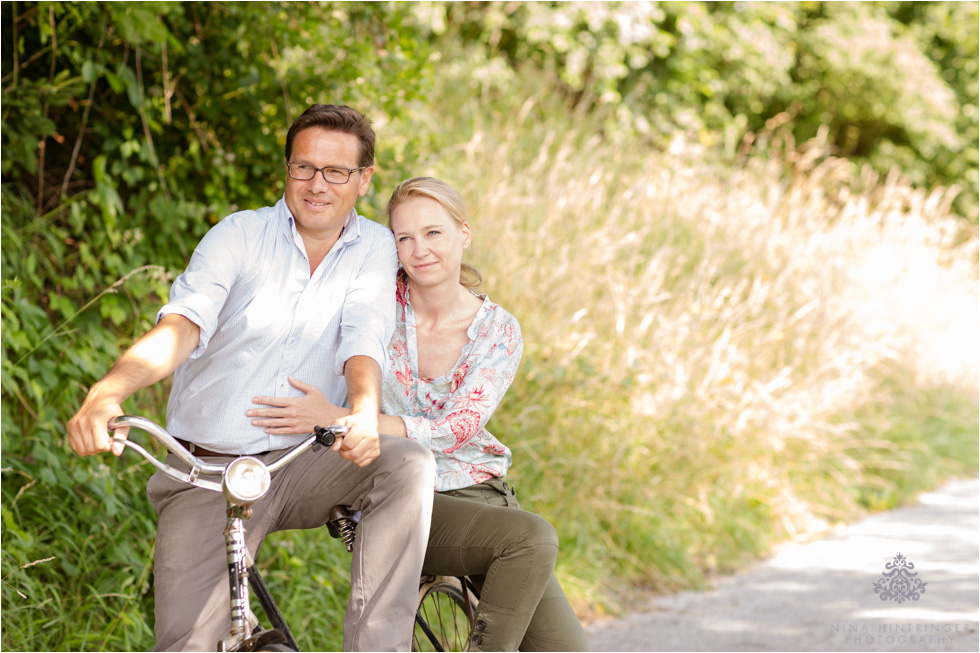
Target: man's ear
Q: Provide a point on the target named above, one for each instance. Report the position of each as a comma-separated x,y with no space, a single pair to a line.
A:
366,175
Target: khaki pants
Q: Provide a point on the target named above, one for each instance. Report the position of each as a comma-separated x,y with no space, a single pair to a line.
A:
510,554
394,494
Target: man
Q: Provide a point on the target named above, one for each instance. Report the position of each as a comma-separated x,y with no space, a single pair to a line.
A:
301,289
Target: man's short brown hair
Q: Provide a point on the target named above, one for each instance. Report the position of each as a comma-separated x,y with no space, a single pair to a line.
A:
336,118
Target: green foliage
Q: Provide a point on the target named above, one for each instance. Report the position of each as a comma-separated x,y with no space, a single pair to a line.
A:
128,130
893,83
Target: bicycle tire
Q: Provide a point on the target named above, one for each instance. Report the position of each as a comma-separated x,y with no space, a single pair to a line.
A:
267,640
443,621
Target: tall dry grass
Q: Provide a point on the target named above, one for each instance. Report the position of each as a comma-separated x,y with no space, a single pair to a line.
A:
717,355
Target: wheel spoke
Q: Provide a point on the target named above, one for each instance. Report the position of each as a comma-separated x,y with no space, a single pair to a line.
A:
442,622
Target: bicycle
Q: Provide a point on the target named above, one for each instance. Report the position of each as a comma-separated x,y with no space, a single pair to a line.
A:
446,607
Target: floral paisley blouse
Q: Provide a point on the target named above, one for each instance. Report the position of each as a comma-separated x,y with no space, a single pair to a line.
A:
449,414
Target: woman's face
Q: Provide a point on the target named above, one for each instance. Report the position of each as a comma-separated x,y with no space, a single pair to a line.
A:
430,242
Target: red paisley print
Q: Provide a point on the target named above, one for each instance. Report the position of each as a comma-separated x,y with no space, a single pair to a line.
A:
464,424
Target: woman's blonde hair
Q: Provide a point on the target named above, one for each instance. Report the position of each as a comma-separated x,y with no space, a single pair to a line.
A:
447,197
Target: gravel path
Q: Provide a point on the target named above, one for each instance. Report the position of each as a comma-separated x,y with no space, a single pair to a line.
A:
820,596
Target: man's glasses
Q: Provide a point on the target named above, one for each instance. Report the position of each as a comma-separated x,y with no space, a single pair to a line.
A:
306,172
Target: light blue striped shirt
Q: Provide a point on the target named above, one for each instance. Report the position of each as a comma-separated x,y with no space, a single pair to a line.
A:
264,318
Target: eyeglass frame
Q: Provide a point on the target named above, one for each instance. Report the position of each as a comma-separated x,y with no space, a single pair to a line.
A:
323,172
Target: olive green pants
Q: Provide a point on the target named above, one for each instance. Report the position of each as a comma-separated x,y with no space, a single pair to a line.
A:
509,554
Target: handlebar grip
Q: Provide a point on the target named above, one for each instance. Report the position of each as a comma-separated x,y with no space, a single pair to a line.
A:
327,436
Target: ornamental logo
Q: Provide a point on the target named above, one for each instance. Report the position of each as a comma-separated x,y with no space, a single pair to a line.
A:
899,582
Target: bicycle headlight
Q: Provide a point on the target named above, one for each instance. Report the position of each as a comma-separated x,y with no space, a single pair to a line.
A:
246,480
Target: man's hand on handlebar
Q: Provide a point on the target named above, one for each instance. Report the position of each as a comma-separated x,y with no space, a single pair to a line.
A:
88,432
152,358
361,444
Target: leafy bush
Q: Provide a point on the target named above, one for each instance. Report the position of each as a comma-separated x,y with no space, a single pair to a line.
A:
154,120
894,83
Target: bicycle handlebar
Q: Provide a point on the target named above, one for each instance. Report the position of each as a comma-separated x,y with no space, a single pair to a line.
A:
164,438
324,436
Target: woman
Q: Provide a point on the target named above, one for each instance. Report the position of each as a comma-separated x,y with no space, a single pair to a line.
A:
452,357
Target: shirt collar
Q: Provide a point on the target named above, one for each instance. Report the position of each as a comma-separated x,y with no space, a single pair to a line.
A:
350,232
352,227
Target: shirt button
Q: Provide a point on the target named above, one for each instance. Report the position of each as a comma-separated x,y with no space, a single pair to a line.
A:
481,625
477,640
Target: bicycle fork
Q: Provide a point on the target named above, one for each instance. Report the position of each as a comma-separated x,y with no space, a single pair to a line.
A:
241,626
245,634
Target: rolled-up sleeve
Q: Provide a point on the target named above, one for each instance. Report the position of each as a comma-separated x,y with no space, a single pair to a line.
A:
369,309
199,293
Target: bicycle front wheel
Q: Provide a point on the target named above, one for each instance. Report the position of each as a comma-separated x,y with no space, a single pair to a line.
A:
445,615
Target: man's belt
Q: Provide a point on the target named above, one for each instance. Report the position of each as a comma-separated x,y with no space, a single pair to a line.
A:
198,450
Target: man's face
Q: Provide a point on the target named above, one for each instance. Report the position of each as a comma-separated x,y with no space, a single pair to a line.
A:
320,208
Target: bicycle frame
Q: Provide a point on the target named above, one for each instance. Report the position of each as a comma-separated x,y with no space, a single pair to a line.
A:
244,480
